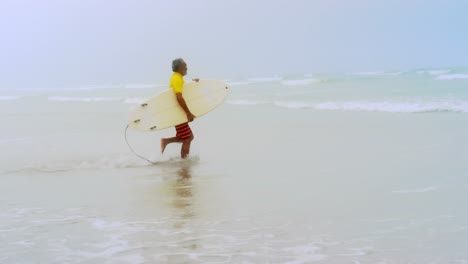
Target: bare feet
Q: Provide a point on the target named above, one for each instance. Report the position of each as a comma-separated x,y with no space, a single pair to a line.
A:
163,145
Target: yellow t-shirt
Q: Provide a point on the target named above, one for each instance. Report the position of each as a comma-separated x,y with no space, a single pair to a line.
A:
177,82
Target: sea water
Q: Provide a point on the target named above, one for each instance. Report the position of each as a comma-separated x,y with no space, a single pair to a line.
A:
362,167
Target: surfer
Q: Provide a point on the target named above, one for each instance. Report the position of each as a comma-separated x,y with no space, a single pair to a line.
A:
184,134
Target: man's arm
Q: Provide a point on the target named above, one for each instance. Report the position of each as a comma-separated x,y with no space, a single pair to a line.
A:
182,103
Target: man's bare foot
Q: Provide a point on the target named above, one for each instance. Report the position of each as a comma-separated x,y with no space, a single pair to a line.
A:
163,145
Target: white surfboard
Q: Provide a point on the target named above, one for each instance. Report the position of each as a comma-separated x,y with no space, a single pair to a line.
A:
163,110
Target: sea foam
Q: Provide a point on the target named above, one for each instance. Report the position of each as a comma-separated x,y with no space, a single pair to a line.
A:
82,99
383,106
421,190
300,82
376,73
134,100
452,76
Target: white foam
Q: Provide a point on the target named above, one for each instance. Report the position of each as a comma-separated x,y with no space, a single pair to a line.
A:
356,252
300,82
95,87
23,243
421,190
294,105
102,224
112,163
452,76
82,99
19,212
9,97
304,253
107,253
141,86
395,107
134,100
116,162
59,219
368,73
376,73
264,79
392,73
390,107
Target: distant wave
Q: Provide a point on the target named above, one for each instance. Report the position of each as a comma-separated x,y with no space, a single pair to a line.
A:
295,105
433,72
396,107
116,86
452,76
367,73
422,190
9,98
300,82
134,100
245,102
391,107
92,87
142,86
82,99
265,79
376,73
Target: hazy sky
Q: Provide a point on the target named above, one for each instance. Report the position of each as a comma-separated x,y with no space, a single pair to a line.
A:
78,42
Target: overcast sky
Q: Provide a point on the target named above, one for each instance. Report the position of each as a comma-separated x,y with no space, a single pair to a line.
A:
76,42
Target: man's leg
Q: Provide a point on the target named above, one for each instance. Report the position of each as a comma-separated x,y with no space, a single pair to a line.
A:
183,135
165,141
185,150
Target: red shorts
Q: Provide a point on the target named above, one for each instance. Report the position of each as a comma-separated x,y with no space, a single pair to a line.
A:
183,131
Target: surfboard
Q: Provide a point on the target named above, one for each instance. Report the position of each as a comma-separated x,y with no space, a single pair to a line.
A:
163,110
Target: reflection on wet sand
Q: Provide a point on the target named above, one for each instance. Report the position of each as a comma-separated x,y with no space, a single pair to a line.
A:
183,206
183,200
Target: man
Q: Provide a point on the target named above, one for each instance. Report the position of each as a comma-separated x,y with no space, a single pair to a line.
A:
184,134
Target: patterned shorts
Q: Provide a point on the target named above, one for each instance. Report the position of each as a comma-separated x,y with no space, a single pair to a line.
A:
183,131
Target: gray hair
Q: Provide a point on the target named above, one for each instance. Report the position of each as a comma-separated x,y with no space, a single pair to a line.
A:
176,64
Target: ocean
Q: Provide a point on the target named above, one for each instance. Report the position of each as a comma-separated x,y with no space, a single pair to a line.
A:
361,167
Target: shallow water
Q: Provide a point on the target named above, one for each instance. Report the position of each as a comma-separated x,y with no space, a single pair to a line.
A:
268,181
